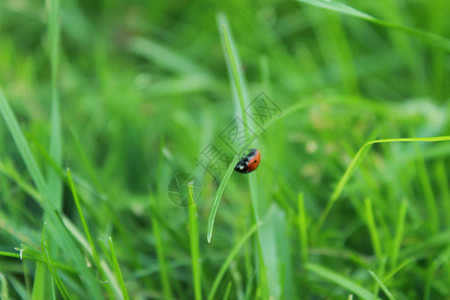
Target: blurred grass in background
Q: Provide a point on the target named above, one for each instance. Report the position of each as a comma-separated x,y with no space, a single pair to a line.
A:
142,88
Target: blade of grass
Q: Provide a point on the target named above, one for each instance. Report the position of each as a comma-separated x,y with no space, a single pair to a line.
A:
302,224
235,68
53,272
165,57
380,270
10,171
238,84
373,229
117,270
54,180
161,253
396,245
19,288
340,281
227,291
26,279
42,280
444,184
397,269
429,38
86,162
428,194
237,280
270,260
22,146
113,286
37,257
232,255
356,161
4,286
218,197
83,220
383,287
194,240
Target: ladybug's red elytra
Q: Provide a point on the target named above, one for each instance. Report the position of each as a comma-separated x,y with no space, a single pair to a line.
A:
249,162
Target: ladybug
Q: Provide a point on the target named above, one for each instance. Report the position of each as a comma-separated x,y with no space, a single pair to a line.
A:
249,162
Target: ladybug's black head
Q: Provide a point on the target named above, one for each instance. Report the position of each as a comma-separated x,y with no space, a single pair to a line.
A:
243,165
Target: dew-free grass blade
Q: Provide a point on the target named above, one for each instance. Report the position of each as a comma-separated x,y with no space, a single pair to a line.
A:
227,291
4,286
160,251
165,57
383,287
238,85
303,229
235,70
340,281
54,180
218,197
194,241
52,270
429,38
42,283
355,163
83,220
373,230
396,245
117,270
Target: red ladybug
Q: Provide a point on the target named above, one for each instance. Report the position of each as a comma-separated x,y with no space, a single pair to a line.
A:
249,162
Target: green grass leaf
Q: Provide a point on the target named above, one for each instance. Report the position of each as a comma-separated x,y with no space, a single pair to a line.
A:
117,271
396,245
383,287
373,229
160,251
83,220
303,228
54,180
194,241
218,197
357,160
4,286
340,280
429,38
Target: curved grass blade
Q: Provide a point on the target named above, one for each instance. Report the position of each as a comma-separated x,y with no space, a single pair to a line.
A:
218,196
117,270
357,160
429,38
383,287
341,281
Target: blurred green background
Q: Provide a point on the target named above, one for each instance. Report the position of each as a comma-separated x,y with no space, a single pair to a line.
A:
143,87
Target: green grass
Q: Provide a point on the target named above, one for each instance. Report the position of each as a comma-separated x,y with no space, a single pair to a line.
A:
103,103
